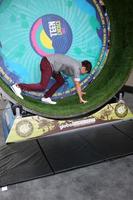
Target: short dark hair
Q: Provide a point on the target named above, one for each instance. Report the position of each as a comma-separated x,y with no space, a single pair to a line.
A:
87,64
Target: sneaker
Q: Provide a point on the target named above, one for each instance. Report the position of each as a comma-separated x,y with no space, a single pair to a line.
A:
17,91
48,101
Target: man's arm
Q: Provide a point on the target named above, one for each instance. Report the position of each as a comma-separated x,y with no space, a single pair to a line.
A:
79,91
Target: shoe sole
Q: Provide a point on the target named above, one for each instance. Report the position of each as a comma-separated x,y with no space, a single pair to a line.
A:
49,103
19,95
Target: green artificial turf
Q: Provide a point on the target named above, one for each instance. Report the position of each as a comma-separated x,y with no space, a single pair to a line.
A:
112,77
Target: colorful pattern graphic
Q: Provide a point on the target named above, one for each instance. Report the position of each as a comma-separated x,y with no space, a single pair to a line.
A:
77,28
36,126
51,34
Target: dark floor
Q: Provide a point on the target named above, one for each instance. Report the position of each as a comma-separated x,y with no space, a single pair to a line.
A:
112,180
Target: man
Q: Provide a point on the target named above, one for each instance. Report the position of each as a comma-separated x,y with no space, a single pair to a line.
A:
52,67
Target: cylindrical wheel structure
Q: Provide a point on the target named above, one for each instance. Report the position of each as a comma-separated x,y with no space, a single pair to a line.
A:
83,29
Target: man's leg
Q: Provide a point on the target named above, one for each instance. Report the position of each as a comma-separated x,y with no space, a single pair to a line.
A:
46,73
59,82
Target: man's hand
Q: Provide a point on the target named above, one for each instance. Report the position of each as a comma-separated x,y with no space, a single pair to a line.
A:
83,101
83,93
80,93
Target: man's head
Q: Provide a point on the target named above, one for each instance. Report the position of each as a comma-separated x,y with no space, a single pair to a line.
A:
86,67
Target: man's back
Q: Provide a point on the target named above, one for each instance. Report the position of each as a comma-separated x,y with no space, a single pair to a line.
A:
66,64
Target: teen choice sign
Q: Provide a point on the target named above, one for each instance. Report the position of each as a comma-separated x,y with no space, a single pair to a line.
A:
51,34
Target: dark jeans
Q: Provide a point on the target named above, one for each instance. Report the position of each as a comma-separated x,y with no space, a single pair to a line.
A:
46,74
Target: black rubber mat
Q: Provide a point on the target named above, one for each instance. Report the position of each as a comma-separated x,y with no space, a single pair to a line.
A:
21,162
53,154
69,151
125,127
108,141
85,147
